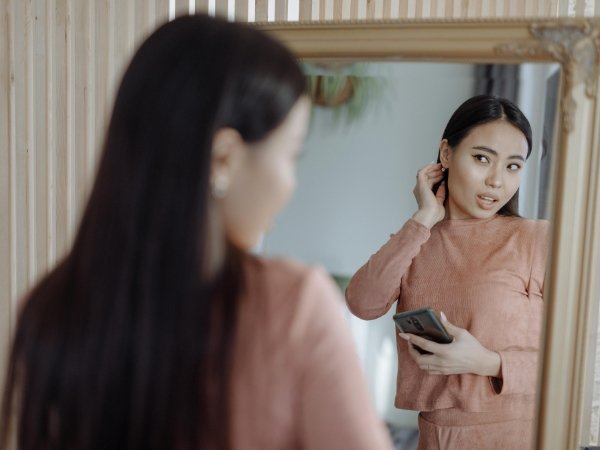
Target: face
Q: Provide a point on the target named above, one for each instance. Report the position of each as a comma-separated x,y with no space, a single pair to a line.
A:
484,169
261,177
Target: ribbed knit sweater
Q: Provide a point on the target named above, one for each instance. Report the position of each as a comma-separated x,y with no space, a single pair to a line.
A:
296,379
487,276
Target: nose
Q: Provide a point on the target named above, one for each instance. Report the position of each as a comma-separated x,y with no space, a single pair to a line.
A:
494,177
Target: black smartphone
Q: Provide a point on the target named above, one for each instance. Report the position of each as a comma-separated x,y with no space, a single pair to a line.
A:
424,323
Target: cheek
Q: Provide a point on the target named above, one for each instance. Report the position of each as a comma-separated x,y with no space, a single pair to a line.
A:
463,179
280,182
513,183
271,185
256,199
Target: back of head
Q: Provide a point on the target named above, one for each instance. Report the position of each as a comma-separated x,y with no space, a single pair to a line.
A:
126,344
479,110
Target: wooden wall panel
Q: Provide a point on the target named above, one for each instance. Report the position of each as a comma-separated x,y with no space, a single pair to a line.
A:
222,8
182,8
40,123
241,10
281,10
7,267
261,10
161,10
61,147
202,5
305,9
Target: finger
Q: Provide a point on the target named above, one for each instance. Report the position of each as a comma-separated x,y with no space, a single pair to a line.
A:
435,177
429,179
429,169
433,172
432,165
452,329
425,344
425,363
414,354
441,192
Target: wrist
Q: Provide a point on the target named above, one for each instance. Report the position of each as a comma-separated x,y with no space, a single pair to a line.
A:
493,365
424,218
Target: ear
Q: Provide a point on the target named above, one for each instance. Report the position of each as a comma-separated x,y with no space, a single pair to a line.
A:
228,151
445,153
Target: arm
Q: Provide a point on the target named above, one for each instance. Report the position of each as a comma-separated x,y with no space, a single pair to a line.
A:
336,409
519,366
376,285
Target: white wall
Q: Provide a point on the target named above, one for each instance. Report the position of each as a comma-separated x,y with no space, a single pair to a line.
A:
355,188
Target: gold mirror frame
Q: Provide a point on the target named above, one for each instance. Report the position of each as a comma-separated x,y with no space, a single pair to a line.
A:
572,290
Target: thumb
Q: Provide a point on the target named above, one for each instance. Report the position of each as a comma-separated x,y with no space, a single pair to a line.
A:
441,192
452,329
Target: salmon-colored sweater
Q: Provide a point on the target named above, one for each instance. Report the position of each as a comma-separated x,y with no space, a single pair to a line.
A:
297,381
487,276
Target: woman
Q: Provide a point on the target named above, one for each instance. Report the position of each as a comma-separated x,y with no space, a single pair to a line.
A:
159,330
467,253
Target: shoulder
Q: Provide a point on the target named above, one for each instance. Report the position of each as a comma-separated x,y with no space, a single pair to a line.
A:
304,298
533,234
286,277
281,272
530,227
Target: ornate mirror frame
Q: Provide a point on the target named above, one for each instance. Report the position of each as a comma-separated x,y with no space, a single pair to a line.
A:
572,290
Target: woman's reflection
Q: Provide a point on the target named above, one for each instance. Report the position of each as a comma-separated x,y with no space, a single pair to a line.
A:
466,252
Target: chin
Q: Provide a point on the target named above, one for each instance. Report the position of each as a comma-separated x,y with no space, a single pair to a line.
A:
483,214
488,214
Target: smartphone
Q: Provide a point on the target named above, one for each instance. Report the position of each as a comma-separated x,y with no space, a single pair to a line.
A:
424,323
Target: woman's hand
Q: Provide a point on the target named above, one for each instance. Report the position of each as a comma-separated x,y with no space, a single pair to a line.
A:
431,206
463,355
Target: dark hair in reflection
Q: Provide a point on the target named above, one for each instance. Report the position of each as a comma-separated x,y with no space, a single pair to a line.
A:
127,343
480,110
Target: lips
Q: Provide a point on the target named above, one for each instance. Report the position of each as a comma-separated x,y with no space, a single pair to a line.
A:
487,201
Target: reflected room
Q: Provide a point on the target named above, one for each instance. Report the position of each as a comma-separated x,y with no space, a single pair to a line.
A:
374,124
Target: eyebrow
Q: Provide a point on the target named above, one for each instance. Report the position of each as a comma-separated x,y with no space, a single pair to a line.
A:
495,153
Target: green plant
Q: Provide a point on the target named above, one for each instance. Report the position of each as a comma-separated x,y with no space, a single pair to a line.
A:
347,90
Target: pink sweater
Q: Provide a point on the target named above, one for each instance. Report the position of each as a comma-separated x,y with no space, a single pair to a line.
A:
487,276
297,382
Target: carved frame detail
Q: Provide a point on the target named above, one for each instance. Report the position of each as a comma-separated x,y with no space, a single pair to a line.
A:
575,45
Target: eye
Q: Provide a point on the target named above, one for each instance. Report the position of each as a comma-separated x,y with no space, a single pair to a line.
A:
481,158
514,167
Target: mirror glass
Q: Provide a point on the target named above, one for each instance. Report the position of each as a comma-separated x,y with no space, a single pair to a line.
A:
373,126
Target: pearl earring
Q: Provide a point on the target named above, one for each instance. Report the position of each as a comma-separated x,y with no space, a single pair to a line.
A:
219,186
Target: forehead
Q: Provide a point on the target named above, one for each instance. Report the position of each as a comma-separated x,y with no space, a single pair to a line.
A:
500,135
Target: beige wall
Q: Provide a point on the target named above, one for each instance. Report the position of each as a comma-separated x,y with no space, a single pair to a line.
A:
59,60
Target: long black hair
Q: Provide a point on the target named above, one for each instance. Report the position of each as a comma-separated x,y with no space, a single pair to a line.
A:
127,343
480,110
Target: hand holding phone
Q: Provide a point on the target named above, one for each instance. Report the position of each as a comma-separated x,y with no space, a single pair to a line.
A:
424,323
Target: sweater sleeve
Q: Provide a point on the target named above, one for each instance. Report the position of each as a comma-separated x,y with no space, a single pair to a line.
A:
519,367
376,285
336,409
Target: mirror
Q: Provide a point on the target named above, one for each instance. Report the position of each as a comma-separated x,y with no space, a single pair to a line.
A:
372,211
356,177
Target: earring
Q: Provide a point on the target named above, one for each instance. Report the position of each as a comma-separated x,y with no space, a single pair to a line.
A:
443,169
219,186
